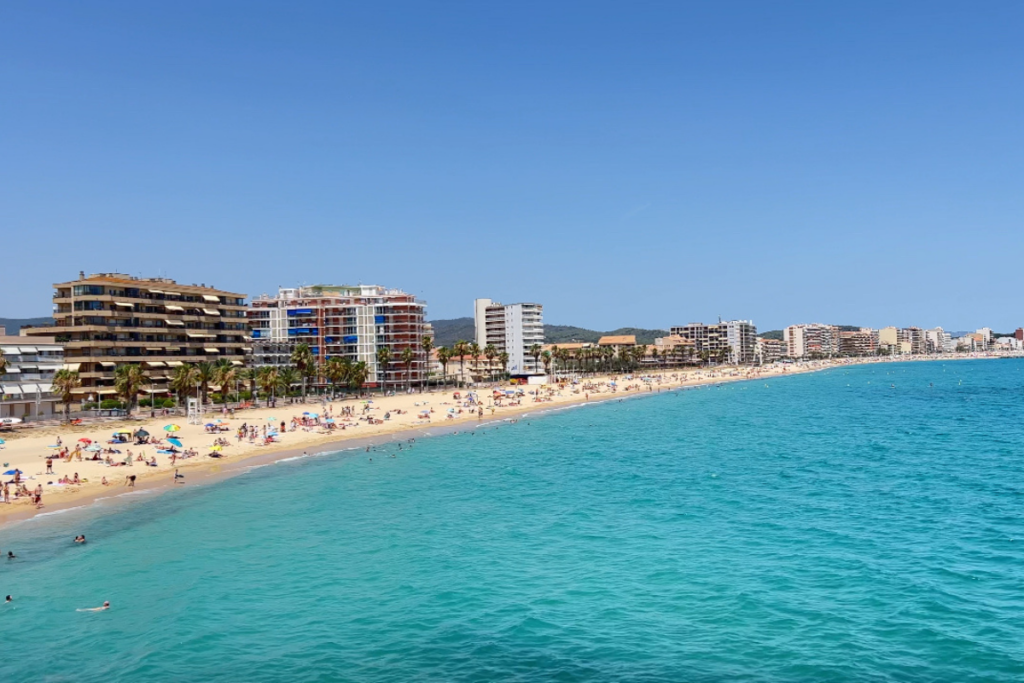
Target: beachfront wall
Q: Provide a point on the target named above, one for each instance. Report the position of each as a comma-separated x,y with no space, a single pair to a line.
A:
110,319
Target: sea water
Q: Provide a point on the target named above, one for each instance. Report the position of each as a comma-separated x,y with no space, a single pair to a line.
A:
859,524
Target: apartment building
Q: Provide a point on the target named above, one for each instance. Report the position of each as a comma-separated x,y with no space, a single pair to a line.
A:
110,319
341,321
770,350
739,336
513,329
26,375
862,342
811,340
939,341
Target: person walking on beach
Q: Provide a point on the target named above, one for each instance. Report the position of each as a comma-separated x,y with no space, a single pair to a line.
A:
49,465
129,481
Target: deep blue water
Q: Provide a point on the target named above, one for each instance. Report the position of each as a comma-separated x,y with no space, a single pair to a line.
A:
824,527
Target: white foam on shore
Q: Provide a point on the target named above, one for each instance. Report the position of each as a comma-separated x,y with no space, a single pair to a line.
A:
55,512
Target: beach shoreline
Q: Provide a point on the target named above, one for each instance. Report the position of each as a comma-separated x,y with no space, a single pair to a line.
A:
205,470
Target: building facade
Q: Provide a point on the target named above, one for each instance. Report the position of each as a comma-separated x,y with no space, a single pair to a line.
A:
770,350
738,336
862,342
26,380
339,321
111,319
513,329
811,340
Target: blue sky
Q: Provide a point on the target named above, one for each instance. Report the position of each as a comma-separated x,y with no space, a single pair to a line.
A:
625,164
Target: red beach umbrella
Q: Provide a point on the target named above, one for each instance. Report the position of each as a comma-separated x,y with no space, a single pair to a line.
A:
84,440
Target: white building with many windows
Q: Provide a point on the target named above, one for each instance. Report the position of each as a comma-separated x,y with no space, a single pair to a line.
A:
26,382
513,329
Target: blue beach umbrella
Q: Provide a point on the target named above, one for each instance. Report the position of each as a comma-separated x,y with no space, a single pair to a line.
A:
175,442
14,472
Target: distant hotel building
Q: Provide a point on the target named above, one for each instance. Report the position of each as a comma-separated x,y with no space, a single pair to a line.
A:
811,340
110,319
339,321
740,336
770,350
26,382
862,342
513,329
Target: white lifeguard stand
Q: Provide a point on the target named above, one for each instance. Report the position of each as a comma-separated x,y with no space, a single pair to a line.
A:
193,415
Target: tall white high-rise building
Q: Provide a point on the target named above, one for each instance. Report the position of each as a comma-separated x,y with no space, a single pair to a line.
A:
513,329
813,339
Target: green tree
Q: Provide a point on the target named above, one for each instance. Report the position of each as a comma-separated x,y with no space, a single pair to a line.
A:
224,375
205,372
427,344
183,379
288,378
490,353
337,371
358,375
503,359
268,380
64,384
128,381
408,356
535,351
304,361
460,348
444,355
383,361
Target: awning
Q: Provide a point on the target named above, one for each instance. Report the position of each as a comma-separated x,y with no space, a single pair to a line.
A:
155,363
237,362
211,311
108,364
46,388
123,303
13,350
201,335
210,349
155,291
154,348
151,390
174,322
28,349
29,366
174,363
211,298
73,367
11,370
11,389
169,307
104,392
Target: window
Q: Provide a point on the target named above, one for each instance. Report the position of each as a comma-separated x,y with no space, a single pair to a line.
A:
87,290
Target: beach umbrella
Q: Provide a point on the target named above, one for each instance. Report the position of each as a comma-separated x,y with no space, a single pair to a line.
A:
94,448
216,448
171,428
307,413
312,414
209,424
14,472
219,421
142,432
2,442
424,412
123,431
176,442
271,419
85,440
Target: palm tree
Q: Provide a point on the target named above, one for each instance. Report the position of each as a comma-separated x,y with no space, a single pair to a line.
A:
474,353
503,359
546,356
305,363
358,375
3,365
408,356
490,353
248,376
129,380
444,355
337,371
459,349
287,378
268,380
64,383
225,374
383,361
426,344
204,376
183,379
535,351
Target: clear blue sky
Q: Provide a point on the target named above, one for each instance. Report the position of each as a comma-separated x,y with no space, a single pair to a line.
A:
630,163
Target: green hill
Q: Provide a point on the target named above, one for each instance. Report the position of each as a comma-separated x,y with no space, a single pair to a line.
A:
12,325
447,332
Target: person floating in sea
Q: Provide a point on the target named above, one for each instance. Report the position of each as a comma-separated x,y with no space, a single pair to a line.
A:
80,538
105,605
11,555
8,599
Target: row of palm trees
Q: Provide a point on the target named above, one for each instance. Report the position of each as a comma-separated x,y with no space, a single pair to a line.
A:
461,349
628,358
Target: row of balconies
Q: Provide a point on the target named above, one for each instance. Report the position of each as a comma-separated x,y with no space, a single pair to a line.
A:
67,298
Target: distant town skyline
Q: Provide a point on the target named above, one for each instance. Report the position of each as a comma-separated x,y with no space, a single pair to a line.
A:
643,166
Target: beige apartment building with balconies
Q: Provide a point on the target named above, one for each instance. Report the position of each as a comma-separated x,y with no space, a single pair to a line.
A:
110,319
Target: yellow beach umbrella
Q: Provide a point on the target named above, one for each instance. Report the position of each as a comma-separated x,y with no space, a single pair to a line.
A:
216,448
171,428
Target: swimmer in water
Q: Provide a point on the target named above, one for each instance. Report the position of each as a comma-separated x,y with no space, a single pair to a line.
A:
105,605
80,539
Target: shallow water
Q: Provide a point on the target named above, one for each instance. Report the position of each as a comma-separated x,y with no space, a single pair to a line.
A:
820,527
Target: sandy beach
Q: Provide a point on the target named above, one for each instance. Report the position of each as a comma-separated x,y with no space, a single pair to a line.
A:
404,415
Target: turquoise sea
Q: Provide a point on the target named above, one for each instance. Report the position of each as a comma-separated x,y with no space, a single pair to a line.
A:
824,527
